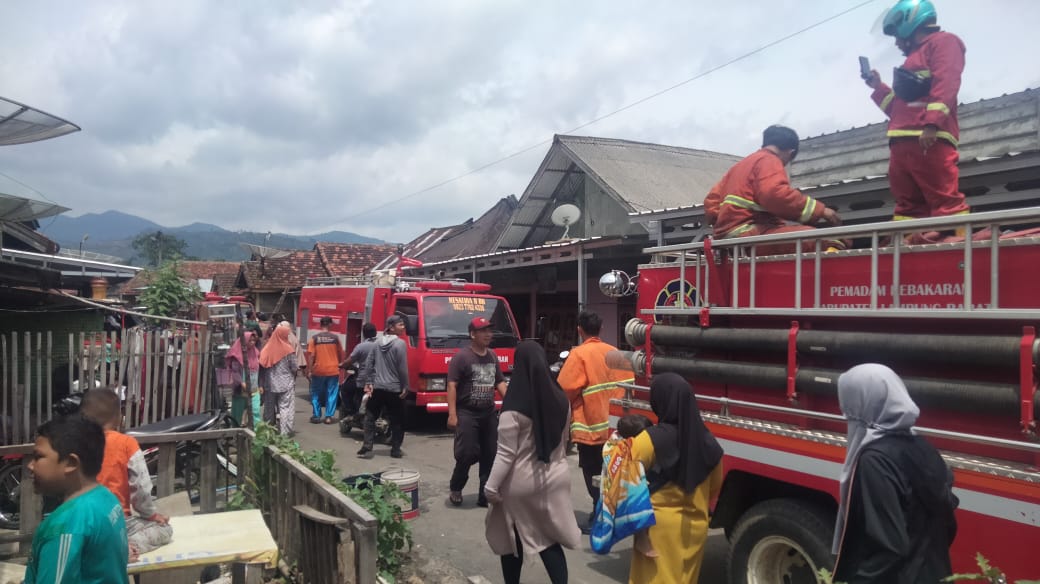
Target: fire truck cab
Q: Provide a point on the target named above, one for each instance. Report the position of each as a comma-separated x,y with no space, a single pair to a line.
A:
437,314
763,339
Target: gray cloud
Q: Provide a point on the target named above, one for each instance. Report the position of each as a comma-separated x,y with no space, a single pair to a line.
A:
298,116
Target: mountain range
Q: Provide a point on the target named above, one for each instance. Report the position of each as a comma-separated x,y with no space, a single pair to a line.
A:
112,233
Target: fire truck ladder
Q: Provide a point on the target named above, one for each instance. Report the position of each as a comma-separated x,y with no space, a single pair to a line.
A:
703,256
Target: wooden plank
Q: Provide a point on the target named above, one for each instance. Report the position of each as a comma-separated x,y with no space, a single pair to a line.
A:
30,509
167,469
149,439
206,374
366,552
72,359
247,574
208,477
6,393
49,367
39,397
146,389
21,418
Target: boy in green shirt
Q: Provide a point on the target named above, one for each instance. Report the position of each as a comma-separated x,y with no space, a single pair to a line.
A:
84,539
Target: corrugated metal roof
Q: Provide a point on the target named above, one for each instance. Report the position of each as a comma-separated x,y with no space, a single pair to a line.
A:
446,243
639,176
964,164
989,127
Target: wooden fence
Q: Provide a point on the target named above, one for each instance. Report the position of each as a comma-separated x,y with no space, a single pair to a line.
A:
291,497
160,374
301,509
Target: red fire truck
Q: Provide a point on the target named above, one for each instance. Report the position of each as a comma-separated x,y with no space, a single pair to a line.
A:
436,313
763,340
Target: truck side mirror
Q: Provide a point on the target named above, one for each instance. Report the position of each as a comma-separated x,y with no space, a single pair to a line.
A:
411,325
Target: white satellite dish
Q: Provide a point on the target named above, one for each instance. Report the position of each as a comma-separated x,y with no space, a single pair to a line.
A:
564,216
263,251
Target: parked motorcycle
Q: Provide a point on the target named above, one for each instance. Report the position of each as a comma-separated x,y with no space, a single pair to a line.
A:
11,470
188,455
188,461
352,407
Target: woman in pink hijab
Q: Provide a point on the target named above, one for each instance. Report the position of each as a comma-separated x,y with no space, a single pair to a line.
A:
278,357
238,361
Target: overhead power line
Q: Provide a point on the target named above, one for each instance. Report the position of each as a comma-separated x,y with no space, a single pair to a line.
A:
615,112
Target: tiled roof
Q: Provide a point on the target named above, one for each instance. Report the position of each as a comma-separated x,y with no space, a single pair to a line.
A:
290,271
192,271
351,259
224,284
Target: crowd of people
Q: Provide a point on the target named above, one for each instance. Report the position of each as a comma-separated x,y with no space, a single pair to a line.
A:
895,519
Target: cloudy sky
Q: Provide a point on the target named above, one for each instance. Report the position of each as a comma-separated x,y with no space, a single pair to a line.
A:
307,116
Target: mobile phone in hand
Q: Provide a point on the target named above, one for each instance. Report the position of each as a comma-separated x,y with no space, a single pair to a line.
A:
864,68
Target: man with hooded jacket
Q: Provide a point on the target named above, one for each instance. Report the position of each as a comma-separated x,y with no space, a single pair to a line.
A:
385,379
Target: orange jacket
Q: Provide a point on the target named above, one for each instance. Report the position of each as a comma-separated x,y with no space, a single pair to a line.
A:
756,191
941,57
590,385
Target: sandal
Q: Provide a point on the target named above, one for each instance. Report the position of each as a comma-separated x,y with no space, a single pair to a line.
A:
456,498
328,420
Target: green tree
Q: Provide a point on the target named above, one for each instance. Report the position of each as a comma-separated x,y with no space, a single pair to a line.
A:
157,247
167,294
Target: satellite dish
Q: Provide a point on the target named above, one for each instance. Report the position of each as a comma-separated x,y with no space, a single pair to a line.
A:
263,251
565,216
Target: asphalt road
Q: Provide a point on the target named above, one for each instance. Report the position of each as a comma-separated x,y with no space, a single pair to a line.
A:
456,534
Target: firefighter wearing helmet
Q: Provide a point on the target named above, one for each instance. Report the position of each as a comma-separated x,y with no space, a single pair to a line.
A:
921,106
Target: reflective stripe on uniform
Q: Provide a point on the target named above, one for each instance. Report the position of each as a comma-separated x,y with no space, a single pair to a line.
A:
738,201
923,73
903,217
602,386
938,107
912,133
738,231
807,210
887,101
579,427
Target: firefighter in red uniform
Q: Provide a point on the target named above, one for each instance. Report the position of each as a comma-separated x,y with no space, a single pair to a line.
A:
755,197
922,109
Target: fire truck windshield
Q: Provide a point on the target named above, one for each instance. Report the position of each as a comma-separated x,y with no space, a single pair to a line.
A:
447,320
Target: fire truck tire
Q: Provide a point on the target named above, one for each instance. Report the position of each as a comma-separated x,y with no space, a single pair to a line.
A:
780,540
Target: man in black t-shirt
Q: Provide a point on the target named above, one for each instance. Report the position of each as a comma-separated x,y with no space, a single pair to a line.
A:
473,377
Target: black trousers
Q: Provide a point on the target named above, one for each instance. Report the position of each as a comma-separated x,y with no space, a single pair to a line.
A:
476,441
552,558
590,459
388,403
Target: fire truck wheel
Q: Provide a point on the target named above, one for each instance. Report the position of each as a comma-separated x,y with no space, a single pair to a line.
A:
780,540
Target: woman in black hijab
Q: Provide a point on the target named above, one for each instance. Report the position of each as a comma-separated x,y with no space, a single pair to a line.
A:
684,468
529,488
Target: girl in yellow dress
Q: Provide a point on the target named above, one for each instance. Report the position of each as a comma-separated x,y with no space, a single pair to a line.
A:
684,469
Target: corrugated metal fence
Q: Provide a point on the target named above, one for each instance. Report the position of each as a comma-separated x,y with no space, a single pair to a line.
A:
159,373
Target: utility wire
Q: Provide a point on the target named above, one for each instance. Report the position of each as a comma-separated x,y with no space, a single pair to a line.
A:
619,110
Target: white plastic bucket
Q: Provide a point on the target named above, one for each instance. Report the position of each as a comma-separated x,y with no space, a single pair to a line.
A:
408,482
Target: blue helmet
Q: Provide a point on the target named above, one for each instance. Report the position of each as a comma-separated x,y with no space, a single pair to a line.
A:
907,16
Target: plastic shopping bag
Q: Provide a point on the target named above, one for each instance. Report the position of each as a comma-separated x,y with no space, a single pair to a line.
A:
624,506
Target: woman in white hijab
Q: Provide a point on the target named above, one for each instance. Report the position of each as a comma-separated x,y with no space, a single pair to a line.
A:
895,518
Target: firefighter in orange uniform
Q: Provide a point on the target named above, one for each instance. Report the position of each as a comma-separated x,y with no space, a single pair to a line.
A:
755,197
922,109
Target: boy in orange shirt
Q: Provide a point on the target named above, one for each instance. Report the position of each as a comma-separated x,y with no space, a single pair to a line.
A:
125,473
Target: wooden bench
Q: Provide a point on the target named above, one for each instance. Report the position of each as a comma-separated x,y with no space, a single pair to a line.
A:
240,538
